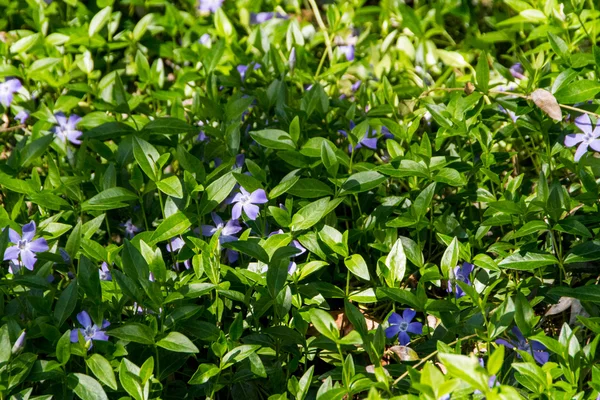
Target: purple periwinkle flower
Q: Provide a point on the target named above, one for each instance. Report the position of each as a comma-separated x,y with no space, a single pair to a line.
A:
534,348
589,137
244,200
459,273
356,85
369,140
516,70
130,228
22,116
19,343
8,88
104,272
348,51
210,6
402,325
90,331
67,128
25,247
240,159
175,245
228,230
259,18
243,69
205,40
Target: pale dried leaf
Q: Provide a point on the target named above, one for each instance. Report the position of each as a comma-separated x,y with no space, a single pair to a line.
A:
405,353
562,305
547,103
577,310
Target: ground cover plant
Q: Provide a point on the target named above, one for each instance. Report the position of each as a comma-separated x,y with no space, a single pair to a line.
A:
288,199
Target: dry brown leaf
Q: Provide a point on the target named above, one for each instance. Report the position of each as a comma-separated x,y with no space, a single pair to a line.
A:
547,103
562,305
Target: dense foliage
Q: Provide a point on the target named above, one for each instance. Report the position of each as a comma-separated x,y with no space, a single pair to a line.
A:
293,199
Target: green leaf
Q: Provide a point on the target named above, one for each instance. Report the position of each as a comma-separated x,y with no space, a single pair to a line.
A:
450,257
66,303
102,369
536,227
396,264
589,293
216,193
109,131
357,265
170,227
147,157
204,373
35,149
177,342
559,46
325,324
168,126
527,262
310,214
401,296
309,188
423,201
273,139
238,354
63,348
109,199
362,182
585,252
133,332
578,92
483,72
86,387
249,247
171,186
99,20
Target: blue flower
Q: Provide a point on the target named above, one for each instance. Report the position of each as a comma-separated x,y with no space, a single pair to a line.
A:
8,88
104,272
537,349
67,128
460,274
25,247
402,325
90,331
589,137
209,6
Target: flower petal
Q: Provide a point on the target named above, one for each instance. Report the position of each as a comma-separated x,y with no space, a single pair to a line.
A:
38,245
415,327
505,343
29,231
392,331
216,219
395,319
541,357
99,335
574,138
583,122
28,258
251,211
258,197
84,319
371,143
231,227
403,338
236,211
208,230
595,144
13,236
408,314
75,335
12,253
581,150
